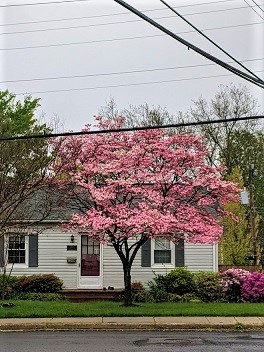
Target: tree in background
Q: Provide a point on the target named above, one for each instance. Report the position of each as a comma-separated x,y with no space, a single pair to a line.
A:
23,169
141,185
236,244
229,102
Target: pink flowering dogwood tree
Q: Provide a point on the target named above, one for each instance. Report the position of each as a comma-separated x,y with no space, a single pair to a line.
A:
140,185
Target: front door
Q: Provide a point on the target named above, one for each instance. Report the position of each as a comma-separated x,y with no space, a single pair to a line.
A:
90,264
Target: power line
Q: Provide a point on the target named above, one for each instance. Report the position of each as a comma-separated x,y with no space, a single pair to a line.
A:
124,85
44,3
254,9
189,45
121,39
258,5
72,1
125,13
119,73
130,129
210,40
112,23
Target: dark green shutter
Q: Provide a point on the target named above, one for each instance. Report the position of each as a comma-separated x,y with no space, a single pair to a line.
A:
2,239
146,254
179,253
33,250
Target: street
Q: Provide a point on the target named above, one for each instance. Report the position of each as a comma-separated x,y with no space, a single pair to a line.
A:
128,341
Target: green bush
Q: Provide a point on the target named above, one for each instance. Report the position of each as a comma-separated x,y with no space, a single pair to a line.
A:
207,286
143,296
180,281
9,283
173,297
189,297
47,283
33,296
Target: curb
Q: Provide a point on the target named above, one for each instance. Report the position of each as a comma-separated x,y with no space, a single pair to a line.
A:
133,323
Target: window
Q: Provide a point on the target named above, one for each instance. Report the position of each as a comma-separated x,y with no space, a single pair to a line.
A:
162,251
16,249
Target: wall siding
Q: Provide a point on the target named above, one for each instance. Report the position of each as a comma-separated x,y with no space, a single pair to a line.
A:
52,258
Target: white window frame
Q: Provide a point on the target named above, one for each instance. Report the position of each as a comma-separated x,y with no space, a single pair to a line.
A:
163,265
18,265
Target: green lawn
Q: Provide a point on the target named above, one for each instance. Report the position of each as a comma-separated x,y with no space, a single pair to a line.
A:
36,309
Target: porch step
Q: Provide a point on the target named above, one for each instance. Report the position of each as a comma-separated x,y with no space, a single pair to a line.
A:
79,295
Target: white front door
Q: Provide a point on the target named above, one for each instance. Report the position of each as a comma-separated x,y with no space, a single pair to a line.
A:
90,263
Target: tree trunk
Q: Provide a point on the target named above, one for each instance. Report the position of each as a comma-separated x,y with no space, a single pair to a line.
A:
127,282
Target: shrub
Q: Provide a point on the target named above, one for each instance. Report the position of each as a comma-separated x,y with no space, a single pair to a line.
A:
33,296
47,283
231,281
9,283
179,281
207,286
173,297
143,296
253,288
189,297
136,286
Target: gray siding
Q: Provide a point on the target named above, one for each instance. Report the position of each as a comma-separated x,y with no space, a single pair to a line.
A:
52,258
198,257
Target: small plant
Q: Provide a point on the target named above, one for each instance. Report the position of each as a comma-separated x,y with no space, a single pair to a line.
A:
238,326
253,288
136,286
231,281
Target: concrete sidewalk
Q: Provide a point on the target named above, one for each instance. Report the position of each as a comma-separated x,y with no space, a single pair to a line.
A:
131,323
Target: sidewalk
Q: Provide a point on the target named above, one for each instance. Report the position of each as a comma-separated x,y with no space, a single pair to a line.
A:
131,323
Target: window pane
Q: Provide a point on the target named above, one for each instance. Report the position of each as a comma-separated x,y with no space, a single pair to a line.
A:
163,256
162,243
16,249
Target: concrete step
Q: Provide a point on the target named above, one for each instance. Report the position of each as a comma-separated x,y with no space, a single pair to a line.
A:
82,295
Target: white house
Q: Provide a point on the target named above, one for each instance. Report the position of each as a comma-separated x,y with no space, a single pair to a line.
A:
85,264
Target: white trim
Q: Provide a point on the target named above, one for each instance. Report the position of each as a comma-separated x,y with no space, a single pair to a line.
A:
18,265
163,265
215,257
95,282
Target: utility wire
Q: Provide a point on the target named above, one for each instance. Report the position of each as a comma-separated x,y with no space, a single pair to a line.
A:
125,13
121,39
119,73
125,85
130,129
211,41
113,23
72,1
254,9
45,3
191,46
258,5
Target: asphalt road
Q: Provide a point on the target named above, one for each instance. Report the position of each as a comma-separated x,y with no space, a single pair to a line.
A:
131,341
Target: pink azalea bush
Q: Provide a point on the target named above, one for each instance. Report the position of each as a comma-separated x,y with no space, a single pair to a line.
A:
231,281
253,288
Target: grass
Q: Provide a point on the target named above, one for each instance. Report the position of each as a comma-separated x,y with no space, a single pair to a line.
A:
37,309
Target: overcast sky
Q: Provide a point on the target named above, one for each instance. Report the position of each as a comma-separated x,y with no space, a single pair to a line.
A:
103,42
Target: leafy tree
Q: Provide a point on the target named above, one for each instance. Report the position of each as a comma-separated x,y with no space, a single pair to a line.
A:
23,167
141,185
235,244
229,102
